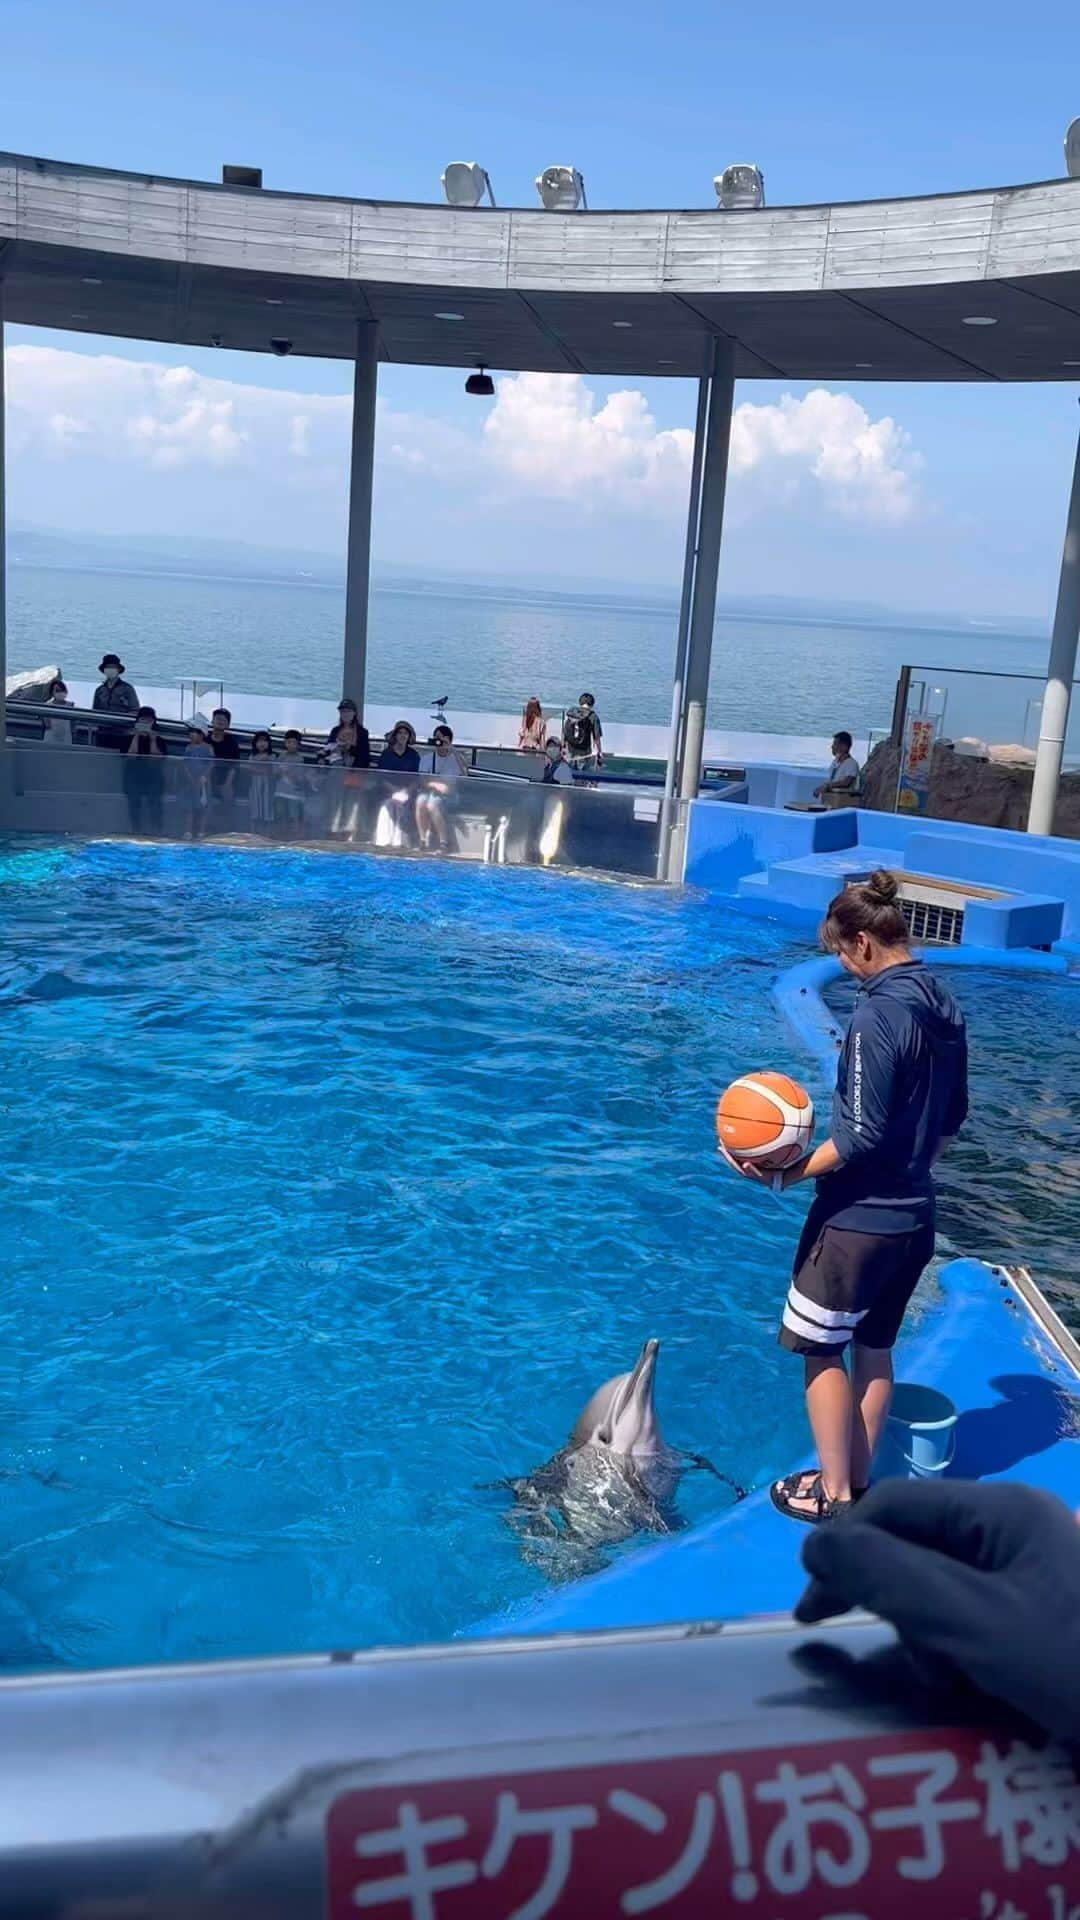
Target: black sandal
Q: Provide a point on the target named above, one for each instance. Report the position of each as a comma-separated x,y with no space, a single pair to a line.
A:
783,1493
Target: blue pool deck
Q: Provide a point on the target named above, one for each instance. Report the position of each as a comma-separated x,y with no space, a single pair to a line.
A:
1018,1399
789,864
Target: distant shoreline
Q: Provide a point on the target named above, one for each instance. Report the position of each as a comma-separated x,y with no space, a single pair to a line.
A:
809,615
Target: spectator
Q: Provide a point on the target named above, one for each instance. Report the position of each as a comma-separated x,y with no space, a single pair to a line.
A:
55,727
353,756
349,716
291,787
199,761
558,769
225,748
844,783
583,736
443,766
144,775
115,695
533,727
399,754
261,780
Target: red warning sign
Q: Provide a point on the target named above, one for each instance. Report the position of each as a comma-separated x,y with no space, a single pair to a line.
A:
938,1825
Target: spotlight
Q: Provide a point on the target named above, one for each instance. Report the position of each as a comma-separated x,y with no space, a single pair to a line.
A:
465,184
740,189
1072,151
561,189
480,385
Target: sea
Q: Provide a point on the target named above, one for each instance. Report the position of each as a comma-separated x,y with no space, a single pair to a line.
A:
487,647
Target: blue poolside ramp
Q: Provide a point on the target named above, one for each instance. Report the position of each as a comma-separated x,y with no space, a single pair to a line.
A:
990,1343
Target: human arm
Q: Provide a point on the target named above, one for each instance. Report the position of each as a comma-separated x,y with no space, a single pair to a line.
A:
132,748
129,700
983,1579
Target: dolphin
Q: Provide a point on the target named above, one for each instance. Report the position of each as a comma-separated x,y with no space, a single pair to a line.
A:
614,1478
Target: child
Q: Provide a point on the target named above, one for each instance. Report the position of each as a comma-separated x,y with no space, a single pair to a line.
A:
198,760
261,780
291,789
56,730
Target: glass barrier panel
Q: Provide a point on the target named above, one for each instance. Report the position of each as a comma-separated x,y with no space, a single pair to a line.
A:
286,800
998,711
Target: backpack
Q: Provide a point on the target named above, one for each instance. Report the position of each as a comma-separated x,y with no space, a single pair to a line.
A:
579,732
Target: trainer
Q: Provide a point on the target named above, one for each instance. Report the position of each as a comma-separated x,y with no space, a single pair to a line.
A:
901,1095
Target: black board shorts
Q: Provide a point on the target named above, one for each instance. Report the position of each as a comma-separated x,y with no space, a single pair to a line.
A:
850,1287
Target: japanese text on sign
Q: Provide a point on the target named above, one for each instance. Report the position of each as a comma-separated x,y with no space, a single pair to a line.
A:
914,787
970,1827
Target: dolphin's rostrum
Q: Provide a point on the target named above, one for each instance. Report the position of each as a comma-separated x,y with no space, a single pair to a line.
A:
614,1478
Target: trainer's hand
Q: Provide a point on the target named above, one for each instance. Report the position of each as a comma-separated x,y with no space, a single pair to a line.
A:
984,1577
749,1170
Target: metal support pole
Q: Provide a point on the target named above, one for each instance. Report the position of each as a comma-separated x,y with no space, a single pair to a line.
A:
693,515
1059,674
703,609
900,709
361,476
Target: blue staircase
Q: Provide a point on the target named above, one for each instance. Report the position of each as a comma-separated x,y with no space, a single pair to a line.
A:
809,883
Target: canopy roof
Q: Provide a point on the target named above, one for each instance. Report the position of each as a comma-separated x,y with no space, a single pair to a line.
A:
874,290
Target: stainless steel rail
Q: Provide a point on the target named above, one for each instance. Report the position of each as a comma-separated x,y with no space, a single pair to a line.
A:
343,1784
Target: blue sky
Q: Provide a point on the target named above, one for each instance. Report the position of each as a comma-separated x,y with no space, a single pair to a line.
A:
963,502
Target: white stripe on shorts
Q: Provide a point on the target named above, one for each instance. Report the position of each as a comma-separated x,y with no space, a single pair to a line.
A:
822,1316
823,1336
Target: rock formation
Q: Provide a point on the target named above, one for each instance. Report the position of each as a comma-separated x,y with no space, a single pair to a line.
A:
988,793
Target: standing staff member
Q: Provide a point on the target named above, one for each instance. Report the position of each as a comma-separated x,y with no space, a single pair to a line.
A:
901,1095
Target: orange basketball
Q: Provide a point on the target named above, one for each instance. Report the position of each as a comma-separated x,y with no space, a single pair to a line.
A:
767,1118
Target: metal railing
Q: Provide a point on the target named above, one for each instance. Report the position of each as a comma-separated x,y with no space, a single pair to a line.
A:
288,800
344,1784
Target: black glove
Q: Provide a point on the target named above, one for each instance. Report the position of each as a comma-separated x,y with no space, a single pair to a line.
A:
986,1578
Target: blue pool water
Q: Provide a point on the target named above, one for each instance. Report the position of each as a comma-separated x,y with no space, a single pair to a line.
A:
335,1186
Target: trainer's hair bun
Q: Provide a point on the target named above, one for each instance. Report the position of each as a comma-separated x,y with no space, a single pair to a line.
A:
865,906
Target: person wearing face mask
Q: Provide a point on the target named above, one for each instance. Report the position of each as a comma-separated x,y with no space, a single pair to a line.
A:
117,696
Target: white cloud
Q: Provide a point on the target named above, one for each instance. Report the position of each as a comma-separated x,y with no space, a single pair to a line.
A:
164,418
547,432
866,468
546,437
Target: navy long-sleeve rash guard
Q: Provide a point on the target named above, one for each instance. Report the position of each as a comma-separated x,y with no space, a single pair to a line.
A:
901,1089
